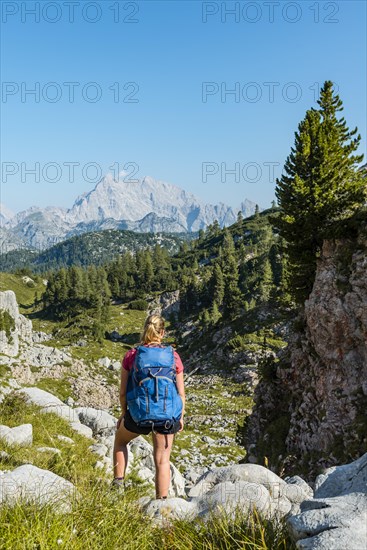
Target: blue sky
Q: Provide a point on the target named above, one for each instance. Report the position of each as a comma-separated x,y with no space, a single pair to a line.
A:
170,132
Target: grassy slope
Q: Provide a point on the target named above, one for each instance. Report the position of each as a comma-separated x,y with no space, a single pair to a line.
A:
100,518
25,294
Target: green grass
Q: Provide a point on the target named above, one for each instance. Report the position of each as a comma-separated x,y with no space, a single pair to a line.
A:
100,518
59,387
100,521
25,294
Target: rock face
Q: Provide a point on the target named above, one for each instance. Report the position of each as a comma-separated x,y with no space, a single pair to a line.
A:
167,304
312,409
9,345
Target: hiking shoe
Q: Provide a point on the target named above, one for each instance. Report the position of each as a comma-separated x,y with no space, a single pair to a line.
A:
118,485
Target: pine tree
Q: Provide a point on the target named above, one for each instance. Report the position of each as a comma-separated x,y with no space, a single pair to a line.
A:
217,284
228,258
320,187
214,313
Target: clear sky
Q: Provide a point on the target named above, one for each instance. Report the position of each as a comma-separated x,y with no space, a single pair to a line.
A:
150,81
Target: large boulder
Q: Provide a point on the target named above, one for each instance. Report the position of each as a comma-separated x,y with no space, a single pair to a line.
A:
228,495
34,485
336,523
342,480
41,398
337,517
252,473
20,435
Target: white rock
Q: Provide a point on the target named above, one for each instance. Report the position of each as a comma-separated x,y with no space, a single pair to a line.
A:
228,495
104,361
253,473
65,439
341,480
20,435
99,449
49,450
64,411
336,523
162,511
41,398
82,429
337,516
101,422
32,484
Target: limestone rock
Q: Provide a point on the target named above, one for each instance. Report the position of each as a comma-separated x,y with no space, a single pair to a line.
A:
162,511
240,472
31,484
22,325
65,439
100,422
335,523
341,480
229,495
20,435
99,449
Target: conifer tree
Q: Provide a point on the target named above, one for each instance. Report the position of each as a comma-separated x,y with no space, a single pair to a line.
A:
217,284
321,186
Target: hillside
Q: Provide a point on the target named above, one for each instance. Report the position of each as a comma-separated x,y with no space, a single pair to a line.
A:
97,248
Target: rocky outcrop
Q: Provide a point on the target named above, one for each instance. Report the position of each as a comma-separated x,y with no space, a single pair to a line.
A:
22,327
337,516
311,403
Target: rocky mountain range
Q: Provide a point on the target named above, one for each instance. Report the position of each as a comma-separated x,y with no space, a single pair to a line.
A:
145,206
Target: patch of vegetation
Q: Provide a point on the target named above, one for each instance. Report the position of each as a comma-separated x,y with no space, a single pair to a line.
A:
140,305
26,296
59,387
7,323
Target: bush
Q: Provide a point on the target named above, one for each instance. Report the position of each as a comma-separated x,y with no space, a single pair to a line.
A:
141,305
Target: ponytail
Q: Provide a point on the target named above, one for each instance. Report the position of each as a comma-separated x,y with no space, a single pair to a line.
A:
153,326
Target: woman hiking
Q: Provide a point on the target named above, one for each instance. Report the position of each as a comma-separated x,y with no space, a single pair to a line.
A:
152,398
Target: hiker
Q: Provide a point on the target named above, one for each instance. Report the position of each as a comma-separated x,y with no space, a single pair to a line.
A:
152,398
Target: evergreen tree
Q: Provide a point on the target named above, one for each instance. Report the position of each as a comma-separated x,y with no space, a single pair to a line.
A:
217,284
321,186
228,258
214,313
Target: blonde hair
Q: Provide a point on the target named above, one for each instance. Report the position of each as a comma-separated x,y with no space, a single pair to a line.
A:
153,326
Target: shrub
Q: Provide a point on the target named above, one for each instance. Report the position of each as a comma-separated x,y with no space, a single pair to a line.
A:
140,304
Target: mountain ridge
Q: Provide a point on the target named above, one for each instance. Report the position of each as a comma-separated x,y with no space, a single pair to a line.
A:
147,205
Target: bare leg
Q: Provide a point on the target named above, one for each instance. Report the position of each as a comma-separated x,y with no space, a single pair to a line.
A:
122,438
162,445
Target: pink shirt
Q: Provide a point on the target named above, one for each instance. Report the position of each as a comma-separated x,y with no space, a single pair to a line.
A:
128,360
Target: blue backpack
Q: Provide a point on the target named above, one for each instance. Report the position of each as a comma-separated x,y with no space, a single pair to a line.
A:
152,396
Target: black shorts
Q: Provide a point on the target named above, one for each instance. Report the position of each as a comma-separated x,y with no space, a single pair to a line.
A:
131,426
